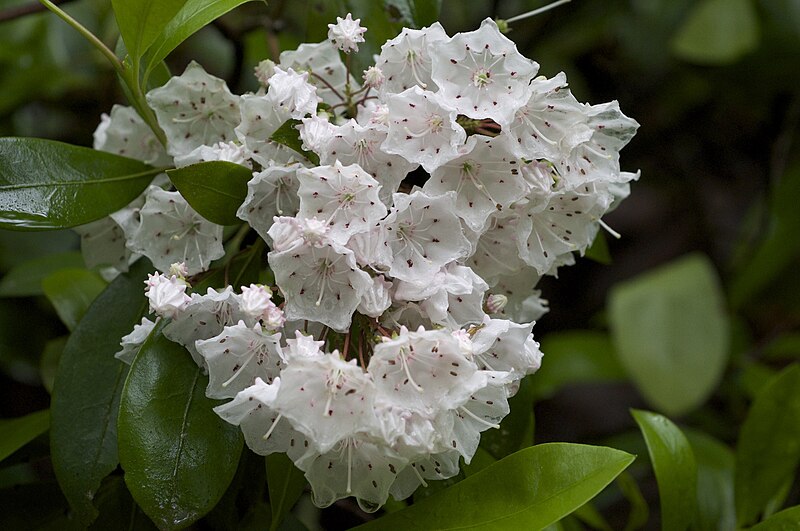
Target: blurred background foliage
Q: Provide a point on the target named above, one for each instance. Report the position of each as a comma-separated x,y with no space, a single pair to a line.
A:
715,85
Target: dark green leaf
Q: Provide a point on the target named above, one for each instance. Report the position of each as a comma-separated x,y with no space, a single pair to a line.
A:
671,332
786,346
675,468
427,11
769,444
83,432
530,489
48,363
39,506
514,427
285,483
214,189
19,431
779,248
51,185
25,279
574,357
179,457
194,15
142,21
401,11
588,514
640,512
717,32
715,463
117,508
71,291
289,136
599,250
785,520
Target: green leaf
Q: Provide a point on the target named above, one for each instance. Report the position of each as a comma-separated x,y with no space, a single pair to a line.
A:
85,402
289,136
675,468
785,346
779,249
574,357
785,520
117,508
179,457
640,511
599,250
194,15
715,464
51,185
530,489
717,32
142,21
401,11
19,431
48,363
71,291
427,11
769,444
214,189
671,333
285,483
25,279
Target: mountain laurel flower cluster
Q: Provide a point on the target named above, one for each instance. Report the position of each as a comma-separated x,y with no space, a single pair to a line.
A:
405,261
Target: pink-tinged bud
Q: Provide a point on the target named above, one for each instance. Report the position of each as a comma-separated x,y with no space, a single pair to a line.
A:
496,302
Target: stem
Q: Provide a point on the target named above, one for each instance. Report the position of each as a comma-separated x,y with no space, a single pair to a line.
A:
88,35
327,84
346,346
536,11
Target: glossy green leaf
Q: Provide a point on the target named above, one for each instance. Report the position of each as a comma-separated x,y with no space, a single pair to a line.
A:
675,468
671,332
51,185
85,402
574,357
25,279
194,15
17,432
717,32
786,520
715,464
214,189
142,21
530,489
286,484
768,450
289,136
71,291
178,455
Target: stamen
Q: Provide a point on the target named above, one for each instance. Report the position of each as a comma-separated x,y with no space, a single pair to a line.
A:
474,416
536,11
274,423
611,231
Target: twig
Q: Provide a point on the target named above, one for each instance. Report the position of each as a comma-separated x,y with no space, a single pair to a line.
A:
13,13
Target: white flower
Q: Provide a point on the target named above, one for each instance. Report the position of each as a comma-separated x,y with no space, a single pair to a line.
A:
322,60
171,230
194,109
263,71
423,128
319,283
377,298
291,92
345,198
167,295
406,60
255,301
482,74
132,342
226,151
346,33
424,235
123,132
271,192
259,119
239,355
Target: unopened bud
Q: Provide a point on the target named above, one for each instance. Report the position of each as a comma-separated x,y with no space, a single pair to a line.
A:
263,71
496,302
373,76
